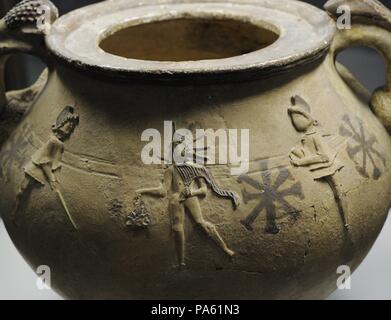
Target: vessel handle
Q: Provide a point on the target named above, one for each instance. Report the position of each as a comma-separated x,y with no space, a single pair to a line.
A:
371,27
23,29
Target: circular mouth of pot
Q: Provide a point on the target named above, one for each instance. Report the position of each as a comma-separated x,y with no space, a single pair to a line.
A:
201,40
188,39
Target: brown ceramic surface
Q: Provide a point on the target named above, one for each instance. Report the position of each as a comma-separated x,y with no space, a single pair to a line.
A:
76,196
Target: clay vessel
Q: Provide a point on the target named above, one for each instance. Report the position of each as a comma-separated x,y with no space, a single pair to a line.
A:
76,195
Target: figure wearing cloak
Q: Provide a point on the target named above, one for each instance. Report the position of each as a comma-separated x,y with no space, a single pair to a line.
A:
184,183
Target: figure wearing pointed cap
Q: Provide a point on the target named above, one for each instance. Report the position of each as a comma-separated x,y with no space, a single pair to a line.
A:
184,183
314,152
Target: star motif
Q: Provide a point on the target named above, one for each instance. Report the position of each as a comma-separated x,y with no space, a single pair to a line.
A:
362,147
269,194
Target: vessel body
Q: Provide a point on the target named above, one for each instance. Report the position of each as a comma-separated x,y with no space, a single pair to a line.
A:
297,220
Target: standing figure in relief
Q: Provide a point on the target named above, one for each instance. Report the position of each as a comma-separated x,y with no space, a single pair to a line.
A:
184,184
46,161
315,153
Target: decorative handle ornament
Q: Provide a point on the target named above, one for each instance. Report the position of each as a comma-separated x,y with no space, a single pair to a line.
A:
23,29
371,27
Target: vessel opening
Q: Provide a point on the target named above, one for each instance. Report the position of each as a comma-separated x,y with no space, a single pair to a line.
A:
188,40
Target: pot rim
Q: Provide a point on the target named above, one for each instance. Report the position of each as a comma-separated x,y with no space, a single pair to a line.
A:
305,35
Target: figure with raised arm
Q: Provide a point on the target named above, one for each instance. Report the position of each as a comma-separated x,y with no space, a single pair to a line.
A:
184,184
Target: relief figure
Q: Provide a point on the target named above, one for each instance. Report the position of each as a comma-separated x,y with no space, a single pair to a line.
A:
184,184
46,161
314,153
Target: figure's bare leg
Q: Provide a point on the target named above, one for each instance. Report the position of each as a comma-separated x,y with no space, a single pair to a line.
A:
178,214
193,205
341,203
24,187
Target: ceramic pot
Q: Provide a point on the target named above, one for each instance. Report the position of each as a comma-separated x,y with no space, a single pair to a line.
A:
77,195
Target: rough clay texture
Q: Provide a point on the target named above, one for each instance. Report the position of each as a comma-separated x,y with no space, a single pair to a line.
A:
102,170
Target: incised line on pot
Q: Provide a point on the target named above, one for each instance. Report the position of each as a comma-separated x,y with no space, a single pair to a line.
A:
300,156
14,153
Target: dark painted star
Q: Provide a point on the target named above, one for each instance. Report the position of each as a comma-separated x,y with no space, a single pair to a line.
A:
362,149
269,194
